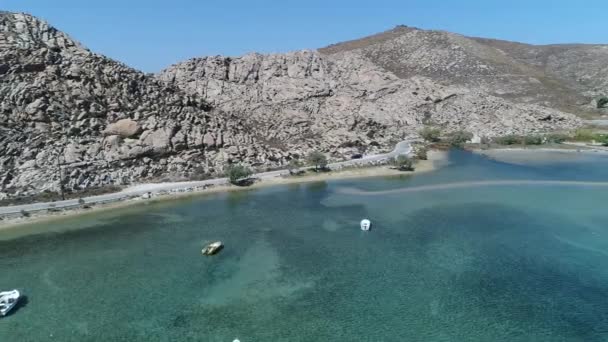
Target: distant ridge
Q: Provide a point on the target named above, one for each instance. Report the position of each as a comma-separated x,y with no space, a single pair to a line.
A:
564,76
367,41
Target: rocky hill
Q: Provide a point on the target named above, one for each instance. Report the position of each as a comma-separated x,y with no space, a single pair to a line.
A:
100,122
343,100
566,77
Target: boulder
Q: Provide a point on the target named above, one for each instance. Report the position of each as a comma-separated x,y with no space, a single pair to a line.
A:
159,140
125,128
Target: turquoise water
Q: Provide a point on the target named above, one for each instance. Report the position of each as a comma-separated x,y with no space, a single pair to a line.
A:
491,263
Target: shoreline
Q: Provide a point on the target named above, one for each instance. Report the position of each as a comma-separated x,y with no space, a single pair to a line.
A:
539,155
435,160
565,147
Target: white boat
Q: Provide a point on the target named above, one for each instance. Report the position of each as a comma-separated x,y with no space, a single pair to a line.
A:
366,224
8,300
212,248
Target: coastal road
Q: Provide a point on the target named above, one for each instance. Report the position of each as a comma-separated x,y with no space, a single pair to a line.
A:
402,148
597,122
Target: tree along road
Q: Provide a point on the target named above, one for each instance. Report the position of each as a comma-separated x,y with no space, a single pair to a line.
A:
402,148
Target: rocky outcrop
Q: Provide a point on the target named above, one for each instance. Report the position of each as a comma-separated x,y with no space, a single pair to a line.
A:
340,101
71,115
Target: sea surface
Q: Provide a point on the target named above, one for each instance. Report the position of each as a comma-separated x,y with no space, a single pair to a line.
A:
485,262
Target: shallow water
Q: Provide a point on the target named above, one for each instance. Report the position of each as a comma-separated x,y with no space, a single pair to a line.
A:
488,263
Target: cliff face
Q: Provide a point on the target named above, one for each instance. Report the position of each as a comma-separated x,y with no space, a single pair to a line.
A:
106,123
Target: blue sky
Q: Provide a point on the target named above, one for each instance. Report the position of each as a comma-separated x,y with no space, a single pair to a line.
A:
152,34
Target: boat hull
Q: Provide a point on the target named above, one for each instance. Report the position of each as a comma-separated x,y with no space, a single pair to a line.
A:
212,249
366,225
8,301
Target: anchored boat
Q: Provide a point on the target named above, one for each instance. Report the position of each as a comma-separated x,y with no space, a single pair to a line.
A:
366,224
8,300
212,248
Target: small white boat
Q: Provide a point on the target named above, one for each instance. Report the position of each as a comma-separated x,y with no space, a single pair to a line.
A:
366,224
212,248
8,300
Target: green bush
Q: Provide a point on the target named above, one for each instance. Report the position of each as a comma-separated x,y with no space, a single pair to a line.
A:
586,135
238,173
317,159
557,138
422,153
459,138
293,166
430,134
533,140
602,102
510,139
602,139
403,163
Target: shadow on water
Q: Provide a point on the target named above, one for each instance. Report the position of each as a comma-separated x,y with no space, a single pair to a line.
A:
21,304
235,198
316,186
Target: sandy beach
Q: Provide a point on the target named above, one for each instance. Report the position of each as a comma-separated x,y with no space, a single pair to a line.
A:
436,159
